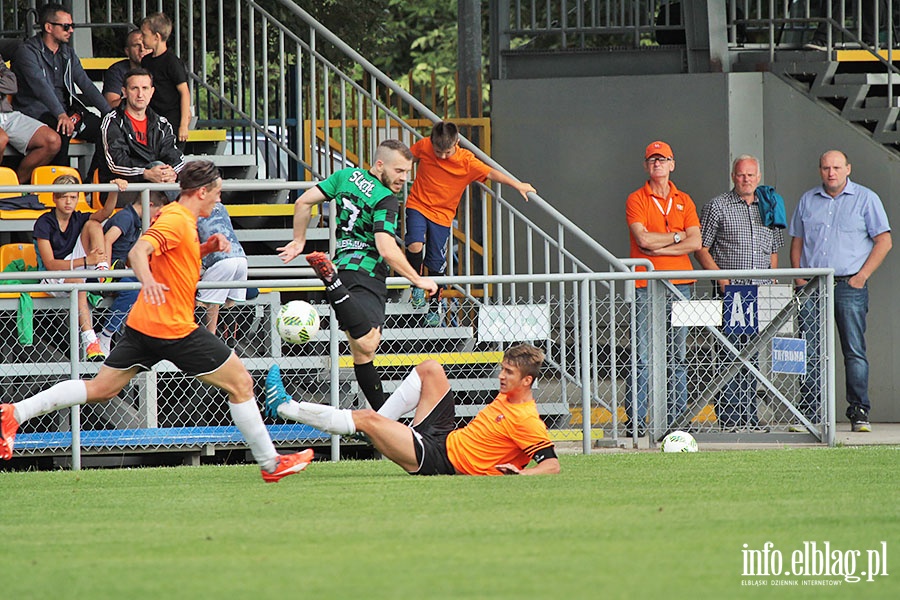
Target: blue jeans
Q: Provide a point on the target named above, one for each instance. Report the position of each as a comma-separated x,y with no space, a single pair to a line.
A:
850,308
676,355
736,404
120,307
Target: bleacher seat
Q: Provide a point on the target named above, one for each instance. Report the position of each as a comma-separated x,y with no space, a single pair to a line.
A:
47,174
11,252
8,177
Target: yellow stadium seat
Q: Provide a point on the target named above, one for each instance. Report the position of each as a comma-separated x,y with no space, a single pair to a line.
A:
11,252
47,174
8,177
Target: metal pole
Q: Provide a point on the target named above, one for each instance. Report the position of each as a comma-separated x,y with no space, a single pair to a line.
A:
74,356
584,312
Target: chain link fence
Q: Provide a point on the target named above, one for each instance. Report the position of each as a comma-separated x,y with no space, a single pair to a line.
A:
747,363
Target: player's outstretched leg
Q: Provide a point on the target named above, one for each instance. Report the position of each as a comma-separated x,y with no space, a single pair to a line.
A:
8,428
288,464
322,265
275,392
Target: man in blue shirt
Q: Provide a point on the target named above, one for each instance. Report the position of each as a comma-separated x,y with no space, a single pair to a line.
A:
842,225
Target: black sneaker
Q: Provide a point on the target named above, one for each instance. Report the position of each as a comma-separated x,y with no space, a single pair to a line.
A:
860,426
859,421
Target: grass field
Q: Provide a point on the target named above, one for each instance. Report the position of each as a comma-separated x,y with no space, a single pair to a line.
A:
631,525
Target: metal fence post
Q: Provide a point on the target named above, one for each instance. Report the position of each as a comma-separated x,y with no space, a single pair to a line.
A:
74,355
584,307
657,360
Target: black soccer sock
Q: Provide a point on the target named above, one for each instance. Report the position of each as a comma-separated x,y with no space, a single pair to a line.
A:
415,259
347,309
370,383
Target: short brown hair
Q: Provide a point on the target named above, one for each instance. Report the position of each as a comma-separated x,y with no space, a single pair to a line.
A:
139,72
65,180
525,357
444,136
197,174
393,146
158,23
158,198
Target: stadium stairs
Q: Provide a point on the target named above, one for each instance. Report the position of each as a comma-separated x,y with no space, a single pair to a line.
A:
135,424
854,83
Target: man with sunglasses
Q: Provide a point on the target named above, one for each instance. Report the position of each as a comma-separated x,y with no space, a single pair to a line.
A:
48,71
664,229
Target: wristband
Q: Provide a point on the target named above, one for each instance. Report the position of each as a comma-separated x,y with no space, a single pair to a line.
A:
85,262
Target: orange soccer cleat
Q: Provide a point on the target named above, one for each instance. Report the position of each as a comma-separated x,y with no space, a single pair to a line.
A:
288,464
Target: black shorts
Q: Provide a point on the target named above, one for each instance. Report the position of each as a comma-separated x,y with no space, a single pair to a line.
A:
430,438
370,293
198,353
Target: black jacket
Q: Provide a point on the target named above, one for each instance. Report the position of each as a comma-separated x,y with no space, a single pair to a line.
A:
125,157
37,96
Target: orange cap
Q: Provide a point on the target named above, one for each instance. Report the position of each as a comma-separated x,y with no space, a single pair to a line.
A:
661,148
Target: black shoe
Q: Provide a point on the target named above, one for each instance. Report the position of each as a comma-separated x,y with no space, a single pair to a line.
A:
629,431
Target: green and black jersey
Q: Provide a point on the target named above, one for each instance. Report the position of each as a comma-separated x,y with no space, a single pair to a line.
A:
364,207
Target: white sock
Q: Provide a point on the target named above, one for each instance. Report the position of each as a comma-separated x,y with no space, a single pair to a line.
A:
88,337
103,265
106,334
248,420
404,399
321,416
62,395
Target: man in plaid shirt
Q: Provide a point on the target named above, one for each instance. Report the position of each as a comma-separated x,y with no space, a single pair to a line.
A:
735,237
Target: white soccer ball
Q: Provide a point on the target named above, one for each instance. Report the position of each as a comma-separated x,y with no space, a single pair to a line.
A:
679,441
298,322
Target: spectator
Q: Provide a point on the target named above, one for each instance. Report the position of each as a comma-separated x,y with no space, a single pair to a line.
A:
734,236
443,173
843,226
114,78
502,439
227,265
48,70
66,239
664,229
172,98
161,326
120,232
366,249
36,142
138,145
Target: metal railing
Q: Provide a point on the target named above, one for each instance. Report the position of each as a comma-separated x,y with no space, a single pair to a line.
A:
585,393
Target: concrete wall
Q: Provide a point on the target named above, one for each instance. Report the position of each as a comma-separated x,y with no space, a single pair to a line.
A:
580,141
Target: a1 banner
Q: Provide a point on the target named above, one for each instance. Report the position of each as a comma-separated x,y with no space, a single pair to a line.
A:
740,310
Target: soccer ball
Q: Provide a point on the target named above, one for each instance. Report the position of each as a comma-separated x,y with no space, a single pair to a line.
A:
679,441
298,322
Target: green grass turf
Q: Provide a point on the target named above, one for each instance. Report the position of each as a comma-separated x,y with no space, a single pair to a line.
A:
631,525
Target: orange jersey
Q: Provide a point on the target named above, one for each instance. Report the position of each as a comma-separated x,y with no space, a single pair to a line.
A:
440,183
500,433
641,208
175,262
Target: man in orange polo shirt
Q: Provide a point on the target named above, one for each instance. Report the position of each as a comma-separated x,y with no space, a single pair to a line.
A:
161,326
502,439
444,170
665,229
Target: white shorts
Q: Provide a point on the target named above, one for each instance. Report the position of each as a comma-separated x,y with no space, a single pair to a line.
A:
227,269
77,254
20,128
